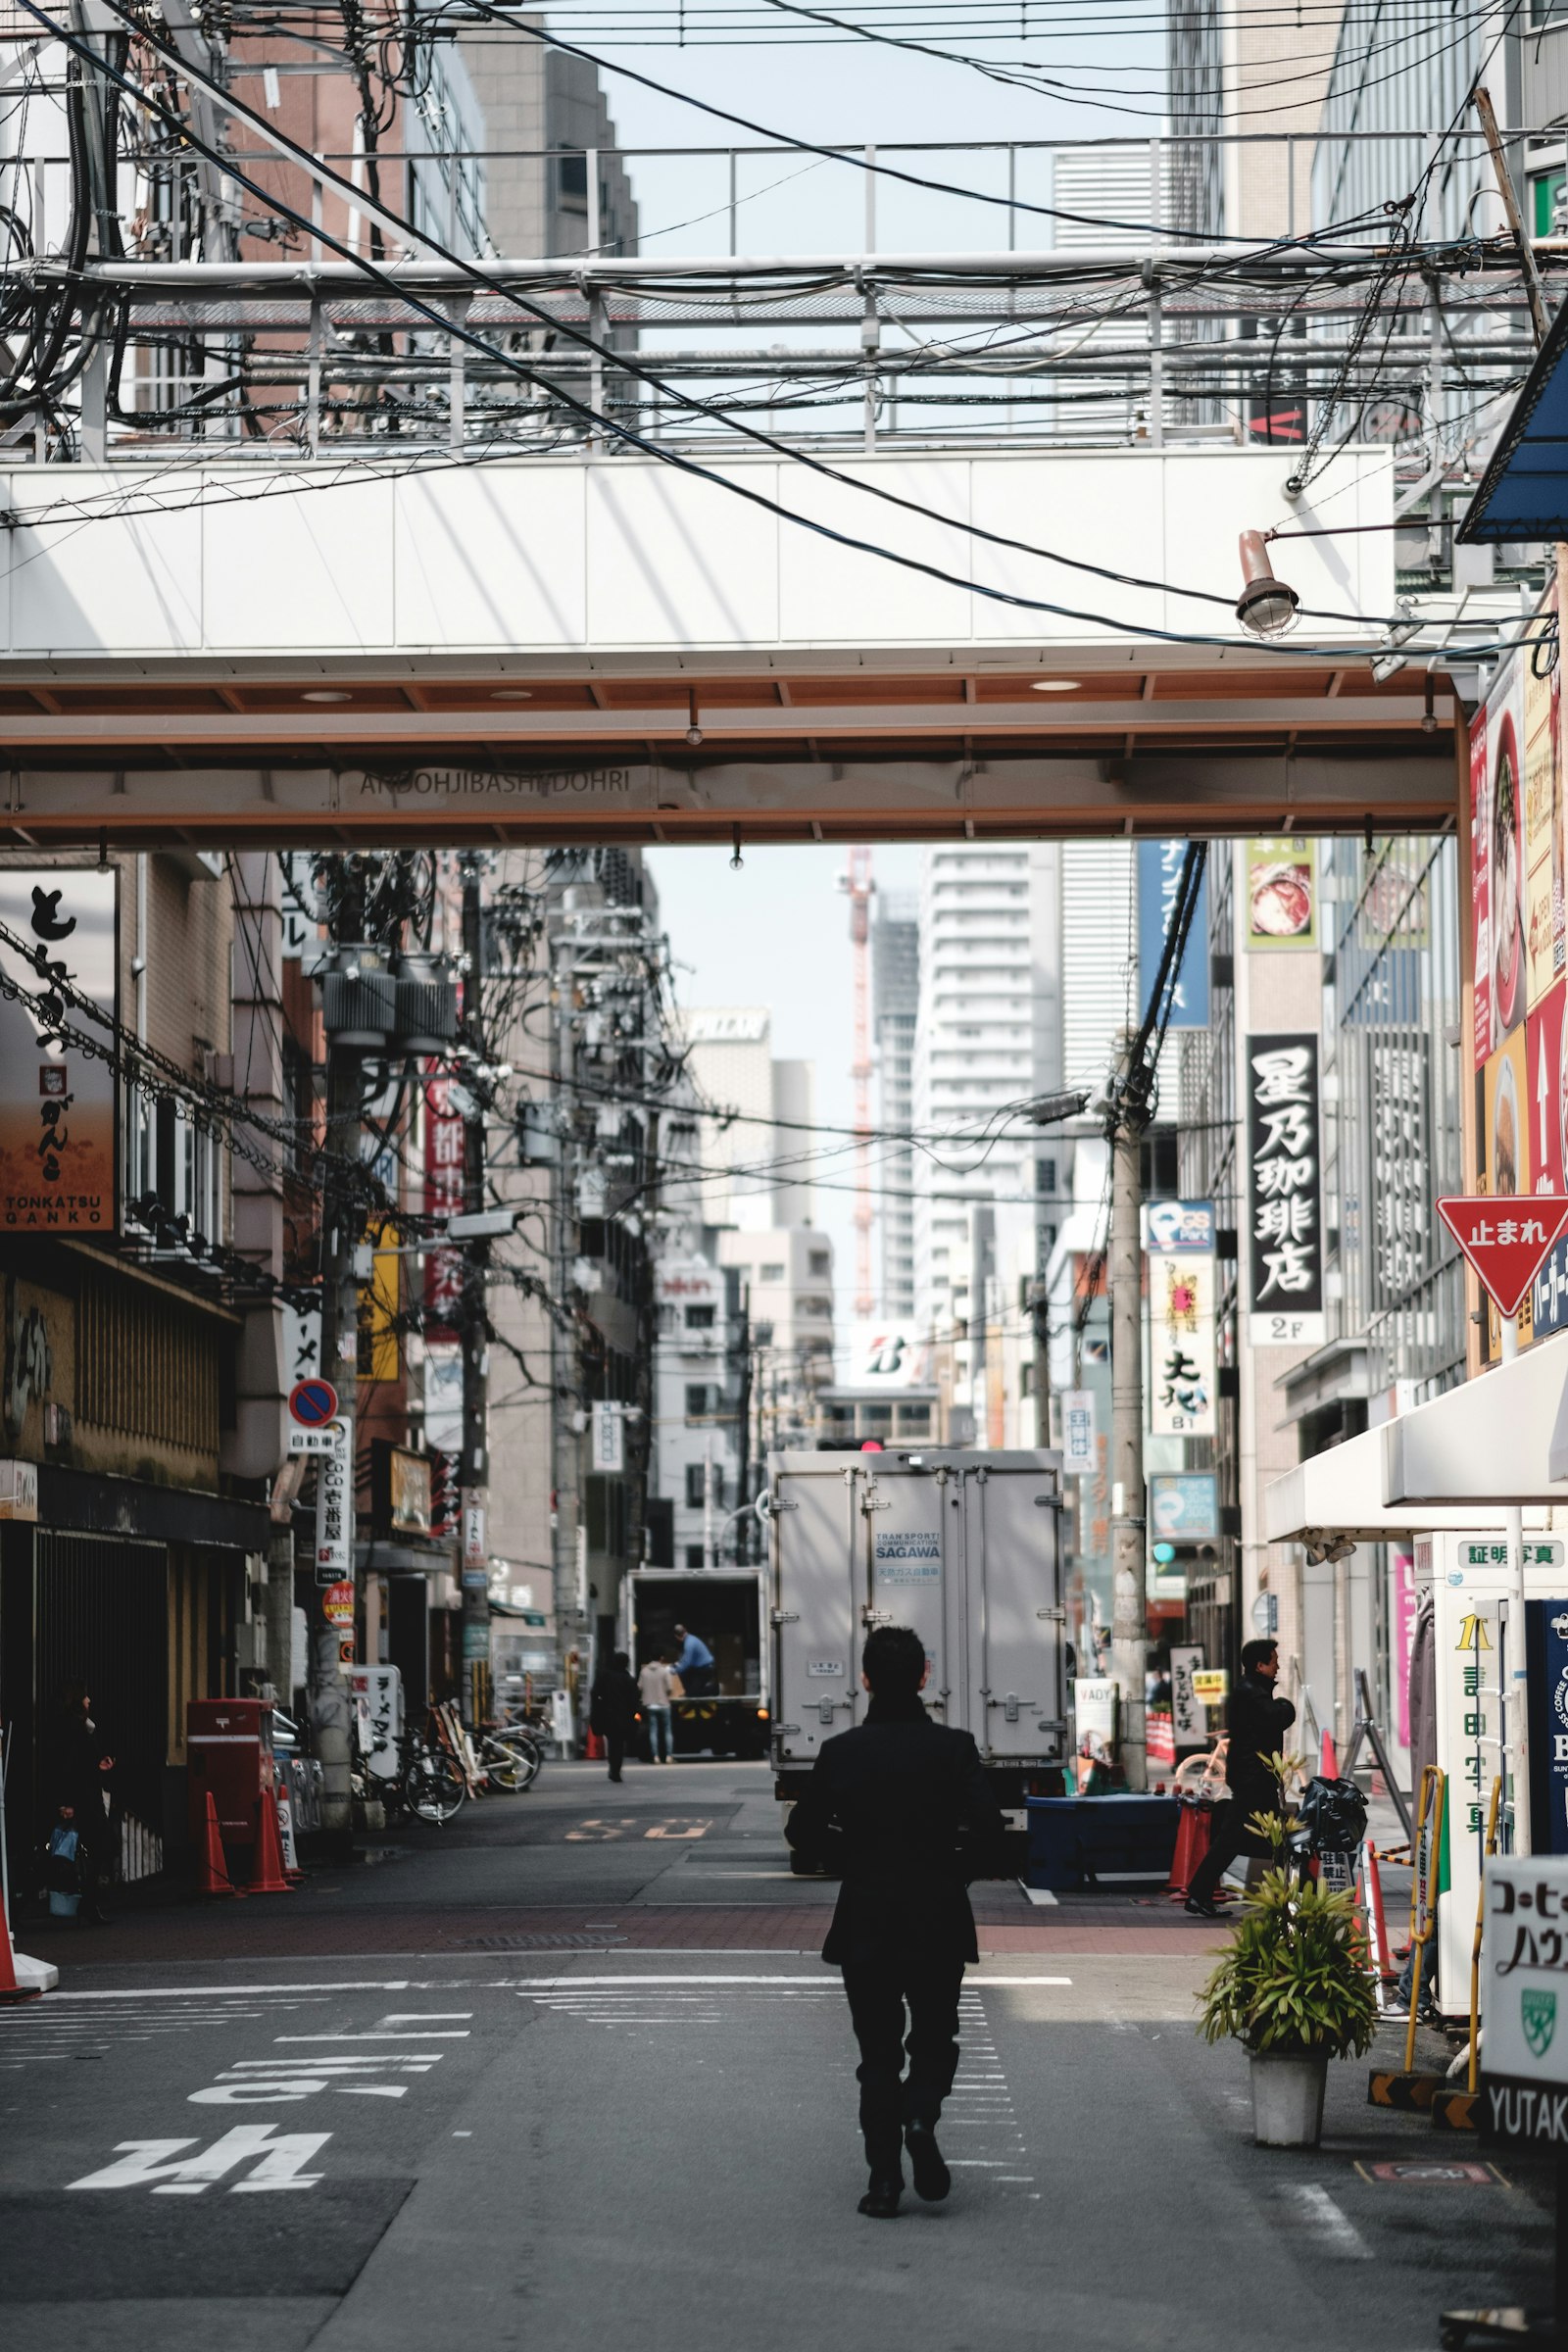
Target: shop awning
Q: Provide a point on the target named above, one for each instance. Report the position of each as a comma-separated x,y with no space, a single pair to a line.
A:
1523,491
1496,1441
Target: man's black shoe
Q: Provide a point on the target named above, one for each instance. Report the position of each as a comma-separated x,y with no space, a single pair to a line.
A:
880,2202
932,2178
1201,1910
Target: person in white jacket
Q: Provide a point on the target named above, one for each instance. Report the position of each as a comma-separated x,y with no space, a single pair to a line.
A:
656,1686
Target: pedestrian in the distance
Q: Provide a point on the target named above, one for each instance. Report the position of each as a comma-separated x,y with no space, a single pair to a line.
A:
694,1663
1257,1723
81,1768
901,1810
612,1709
655,1686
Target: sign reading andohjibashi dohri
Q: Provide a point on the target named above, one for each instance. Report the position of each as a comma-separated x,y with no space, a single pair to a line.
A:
57,1122
1284,1191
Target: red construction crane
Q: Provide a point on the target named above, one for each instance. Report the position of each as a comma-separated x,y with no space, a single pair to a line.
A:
858,884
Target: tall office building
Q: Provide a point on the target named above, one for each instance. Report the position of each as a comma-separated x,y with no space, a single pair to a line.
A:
894,1011
749,1167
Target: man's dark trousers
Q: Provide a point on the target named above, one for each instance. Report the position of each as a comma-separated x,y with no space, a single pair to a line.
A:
878,1992
1229,1837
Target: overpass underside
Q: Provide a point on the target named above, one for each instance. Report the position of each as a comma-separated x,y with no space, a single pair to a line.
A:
909,757
580,650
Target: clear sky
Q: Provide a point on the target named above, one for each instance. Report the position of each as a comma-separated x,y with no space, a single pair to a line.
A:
777,933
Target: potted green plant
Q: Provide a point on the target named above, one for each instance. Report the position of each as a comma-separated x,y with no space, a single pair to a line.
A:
1292,1988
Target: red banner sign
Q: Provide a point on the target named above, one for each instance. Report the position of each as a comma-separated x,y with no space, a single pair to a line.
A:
1506,1239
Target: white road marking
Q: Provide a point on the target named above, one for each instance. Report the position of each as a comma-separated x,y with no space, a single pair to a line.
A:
1337,2233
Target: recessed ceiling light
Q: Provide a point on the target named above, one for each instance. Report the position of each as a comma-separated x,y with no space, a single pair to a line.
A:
512,694
325,693
1055,685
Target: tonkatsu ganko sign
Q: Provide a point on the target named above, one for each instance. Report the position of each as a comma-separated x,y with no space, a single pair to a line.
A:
57,1050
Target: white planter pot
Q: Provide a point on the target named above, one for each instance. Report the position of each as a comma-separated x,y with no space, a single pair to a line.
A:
1288,2097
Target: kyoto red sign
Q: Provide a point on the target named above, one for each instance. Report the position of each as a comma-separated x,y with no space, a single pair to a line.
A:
1506,1239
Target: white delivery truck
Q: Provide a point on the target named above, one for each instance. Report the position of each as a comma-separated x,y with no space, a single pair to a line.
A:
964,1546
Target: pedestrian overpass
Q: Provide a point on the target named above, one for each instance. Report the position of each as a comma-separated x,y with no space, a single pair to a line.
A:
586,646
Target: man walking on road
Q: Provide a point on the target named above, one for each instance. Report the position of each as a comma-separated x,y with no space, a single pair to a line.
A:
612,1709
657,1685
901,1808
1257,1723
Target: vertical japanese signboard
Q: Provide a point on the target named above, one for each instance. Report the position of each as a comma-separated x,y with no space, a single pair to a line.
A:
1517,859
444,1176
334,1520
1078,1432
59,1124
1284,1192
1180,1238
1547,1658
1160,874
1399,1185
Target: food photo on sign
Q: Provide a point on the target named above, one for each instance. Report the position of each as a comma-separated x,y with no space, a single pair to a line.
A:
1281,894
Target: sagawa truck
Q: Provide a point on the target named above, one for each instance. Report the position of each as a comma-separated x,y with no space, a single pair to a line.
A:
964,1546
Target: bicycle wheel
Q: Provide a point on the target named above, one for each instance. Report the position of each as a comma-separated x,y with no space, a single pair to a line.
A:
435,1788
527,1755
503,1768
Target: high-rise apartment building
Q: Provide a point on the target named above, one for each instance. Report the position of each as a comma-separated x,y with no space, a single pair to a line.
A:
895,1012
987,1037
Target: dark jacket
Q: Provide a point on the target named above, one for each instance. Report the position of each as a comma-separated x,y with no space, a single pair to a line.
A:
612,1703
901,1808
75,1753
1257,1723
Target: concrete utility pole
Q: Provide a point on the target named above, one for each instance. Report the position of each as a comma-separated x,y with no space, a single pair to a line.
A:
1040,1317
474,1472
1129,1625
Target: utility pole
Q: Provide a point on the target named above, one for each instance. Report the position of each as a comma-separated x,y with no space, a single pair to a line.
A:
1040,1316
1129,1623
340,1355
474,1472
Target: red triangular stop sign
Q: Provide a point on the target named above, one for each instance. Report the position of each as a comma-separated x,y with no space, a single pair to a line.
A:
1506,1239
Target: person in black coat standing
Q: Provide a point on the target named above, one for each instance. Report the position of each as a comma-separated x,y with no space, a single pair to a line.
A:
901,1810
612,1707
78,1768
1257,1723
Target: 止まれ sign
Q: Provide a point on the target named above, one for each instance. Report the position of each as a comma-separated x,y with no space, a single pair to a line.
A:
1284,1191
1524,2002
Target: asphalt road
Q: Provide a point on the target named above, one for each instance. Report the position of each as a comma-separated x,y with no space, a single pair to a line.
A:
538,2136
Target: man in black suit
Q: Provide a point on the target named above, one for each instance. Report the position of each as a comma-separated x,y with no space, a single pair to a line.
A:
1257,1723
901,1810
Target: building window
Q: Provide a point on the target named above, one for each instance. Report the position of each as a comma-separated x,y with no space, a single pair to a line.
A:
1045,1175
694,1556
771,1273
822,1264
702,1401
914,1420
694,1485
699,1318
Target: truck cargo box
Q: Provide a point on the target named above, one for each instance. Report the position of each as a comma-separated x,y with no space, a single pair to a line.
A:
963,1545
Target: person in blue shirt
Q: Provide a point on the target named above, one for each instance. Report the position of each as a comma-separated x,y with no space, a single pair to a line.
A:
694,1663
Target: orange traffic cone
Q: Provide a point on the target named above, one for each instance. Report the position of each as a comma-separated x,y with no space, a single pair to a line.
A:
1195,1828
266,1869
212,1863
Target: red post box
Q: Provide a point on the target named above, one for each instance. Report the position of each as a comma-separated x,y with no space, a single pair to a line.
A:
230,1745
